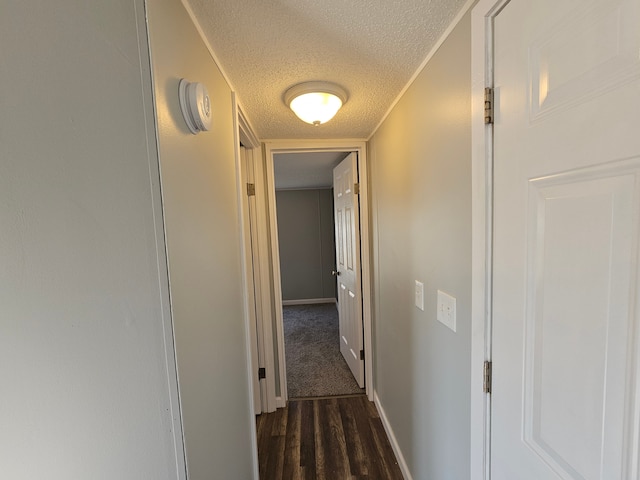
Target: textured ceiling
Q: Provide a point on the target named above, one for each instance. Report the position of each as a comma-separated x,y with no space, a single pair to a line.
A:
372,48
305,170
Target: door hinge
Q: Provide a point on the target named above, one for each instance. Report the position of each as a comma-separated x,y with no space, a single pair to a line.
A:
361,354
486,383
488,106
251,189
262,373
356,188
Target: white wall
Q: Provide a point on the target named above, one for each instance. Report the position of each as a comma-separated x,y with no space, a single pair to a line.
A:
204,249
421,190
84,380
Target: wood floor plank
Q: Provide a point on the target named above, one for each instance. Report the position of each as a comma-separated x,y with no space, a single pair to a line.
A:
265,423
307,439
336,457
362,417
279,426
355,450
319,436
371,408
325,439
391,469
275,462
292,469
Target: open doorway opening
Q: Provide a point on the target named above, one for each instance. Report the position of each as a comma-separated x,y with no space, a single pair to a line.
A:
303,247
307,237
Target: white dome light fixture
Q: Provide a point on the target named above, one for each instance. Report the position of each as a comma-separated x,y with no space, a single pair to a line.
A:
315,102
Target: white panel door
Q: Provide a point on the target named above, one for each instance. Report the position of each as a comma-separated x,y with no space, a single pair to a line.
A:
348,273
565,399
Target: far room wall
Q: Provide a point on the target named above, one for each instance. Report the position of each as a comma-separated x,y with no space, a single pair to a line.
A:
307,243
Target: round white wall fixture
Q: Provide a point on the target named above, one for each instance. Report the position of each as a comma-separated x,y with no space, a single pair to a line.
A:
195,105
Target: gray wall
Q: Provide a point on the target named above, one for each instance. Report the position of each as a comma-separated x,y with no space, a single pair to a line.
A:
204,249
421,188
85,384
307,243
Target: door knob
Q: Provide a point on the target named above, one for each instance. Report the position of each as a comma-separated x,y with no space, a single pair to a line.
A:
334,273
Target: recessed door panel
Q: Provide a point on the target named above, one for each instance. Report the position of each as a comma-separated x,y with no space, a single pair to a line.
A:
578,320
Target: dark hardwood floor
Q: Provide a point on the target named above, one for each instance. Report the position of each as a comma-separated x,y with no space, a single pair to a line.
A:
326,439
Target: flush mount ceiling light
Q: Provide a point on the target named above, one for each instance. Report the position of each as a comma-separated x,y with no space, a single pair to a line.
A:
315,102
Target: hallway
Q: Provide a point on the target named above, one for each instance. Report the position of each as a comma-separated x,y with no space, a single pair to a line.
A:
330,438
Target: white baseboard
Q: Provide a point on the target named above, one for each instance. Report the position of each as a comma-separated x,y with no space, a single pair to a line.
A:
402,463
308,301
280,402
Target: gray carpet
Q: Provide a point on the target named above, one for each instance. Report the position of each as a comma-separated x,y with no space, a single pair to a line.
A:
315,367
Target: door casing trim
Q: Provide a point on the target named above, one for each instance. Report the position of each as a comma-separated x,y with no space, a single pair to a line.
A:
294,146
482,19
243,133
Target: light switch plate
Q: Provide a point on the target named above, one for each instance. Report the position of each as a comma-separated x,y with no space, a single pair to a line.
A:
447,310
420,295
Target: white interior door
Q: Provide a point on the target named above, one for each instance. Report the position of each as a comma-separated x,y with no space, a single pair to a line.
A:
565,399
348,273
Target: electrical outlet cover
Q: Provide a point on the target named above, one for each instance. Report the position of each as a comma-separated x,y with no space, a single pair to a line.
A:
419,295
446,310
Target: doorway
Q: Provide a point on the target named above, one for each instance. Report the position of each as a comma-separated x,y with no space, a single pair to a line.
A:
329,152
312,319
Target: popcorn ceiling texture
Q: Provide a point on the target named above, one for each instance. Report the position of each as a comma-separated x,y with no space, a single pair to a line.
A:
370,47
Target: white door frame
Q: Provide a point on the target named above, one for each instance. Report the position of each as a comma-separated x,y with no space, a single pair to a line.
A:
256,268
251,286
243,133
482,19
295,146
